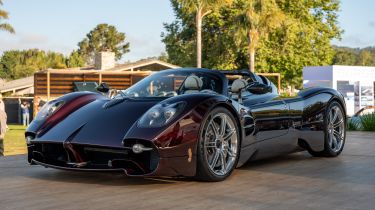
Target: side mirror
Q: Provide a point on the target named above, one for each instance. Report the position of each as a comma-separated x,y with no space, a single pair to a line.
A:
259,88
103,88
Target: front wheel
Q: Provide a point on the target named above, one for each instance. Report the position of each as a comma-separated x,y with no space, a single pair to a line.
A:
335,131
218,147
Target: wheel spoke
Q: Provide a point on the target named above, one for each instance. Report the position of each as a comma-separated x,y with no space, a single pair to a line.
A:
215,159
338,123
334,117
337,135
223,125
214,128
223,162
230,152
334,141
211,144
330,116
229,134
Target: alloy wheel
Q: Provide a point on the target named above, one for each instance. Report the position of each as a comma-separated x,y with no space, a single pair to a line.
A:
220,144
336,129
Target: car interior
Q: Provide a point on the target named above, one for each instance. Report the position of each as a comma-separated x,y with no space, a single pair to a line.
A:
240,87
204,84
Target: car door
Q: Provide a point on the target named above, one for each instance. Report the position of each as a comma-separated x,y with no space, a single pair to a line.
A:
271,119
272,134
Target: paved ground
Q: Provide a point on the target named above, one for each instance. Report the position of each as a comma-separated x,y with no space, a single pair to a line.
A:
295,181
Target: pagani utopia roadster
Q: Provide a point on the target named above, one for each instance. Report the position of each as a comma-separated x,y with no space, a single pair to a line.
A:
185,122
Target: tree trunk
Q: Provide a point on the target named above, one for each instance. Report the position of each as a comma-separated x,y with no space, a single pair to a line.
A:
251,51
199,38
252,60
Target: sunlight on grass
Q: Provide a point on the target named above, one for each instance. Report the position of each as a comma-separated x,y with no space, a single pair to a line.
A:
14,141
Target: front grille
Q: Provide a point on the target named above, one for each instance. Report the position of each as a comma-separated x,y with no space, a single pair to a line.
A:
95,157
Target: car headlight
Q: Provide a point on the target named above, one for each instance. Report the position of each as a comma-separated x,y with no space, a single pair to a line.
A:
48,109
161,114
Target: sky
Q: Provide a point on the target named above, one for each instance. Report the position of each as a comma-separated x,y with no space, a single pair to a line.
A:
58,25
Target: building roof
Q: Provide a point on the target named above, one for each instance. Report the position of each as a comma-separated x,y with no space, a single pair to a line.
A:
141,65
17,84
146,64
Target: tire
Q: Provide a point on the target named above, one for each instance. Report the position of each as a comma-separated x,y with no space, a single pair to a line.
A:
216,148
334,131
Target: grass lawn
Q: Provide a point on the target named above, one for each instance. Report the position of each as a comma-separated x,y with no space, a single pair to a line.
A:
14,141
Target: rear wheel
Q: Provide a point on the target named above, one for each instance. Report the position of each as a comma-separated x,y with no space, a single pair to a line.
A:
218,147
335,131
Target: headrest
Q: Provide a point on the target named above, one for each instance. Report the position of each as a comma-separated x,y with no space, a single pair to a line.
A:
238,84
193,83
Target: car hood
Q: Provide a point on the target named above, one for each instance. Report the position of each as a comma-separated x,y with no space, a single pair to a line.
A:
101,122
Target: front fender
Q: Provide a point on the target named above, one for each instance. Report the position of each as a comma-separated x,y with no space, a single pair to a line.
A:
177,141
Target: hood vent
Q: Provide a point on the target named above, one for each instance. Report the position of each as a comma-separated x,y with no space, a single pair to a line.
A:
70,138
113,102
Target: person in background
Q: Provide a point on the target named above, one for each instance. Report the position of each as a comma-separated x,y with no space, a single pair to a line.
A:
39,104
3,126
25,107
2,105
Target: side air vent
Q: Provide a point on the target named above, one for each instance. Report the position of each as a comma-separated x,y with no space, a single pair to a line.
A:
113,102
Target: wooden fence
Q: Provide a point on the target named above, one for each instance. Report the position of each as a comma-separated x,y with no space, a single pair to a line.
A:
277,75
54,83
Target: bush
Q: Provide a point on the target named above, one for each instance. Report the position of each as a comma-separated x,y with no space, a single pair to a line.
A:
368,122
352,124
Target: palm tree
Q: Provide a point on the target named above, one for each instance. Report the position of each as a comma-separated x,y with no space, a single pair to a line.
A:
201,8
256,21
5,26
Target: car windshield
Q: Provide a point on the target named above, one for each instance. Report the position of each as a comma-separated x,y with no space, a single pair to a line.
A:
169,84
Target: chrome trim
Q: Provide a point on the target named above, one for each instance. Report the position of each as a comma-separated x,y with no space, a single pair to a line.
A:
73,169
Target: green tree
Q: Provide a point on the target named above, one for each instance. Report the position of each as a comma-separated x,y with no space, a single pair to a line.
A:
163,57
256,21
179,44
303,39
75,60
15,64
366,58
201,8
345,56
219,52
103,37
4,16
55,60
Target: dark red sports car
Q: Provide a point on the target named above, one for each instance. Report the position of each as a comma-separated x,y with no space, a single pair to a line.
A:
185,122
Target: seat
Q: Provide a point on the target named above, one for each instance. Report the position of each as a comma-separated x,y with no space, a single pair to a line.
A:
192,84
237,87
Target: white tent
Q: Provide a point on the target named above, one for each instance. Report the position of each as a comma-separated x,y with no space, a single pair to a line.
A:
356,83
